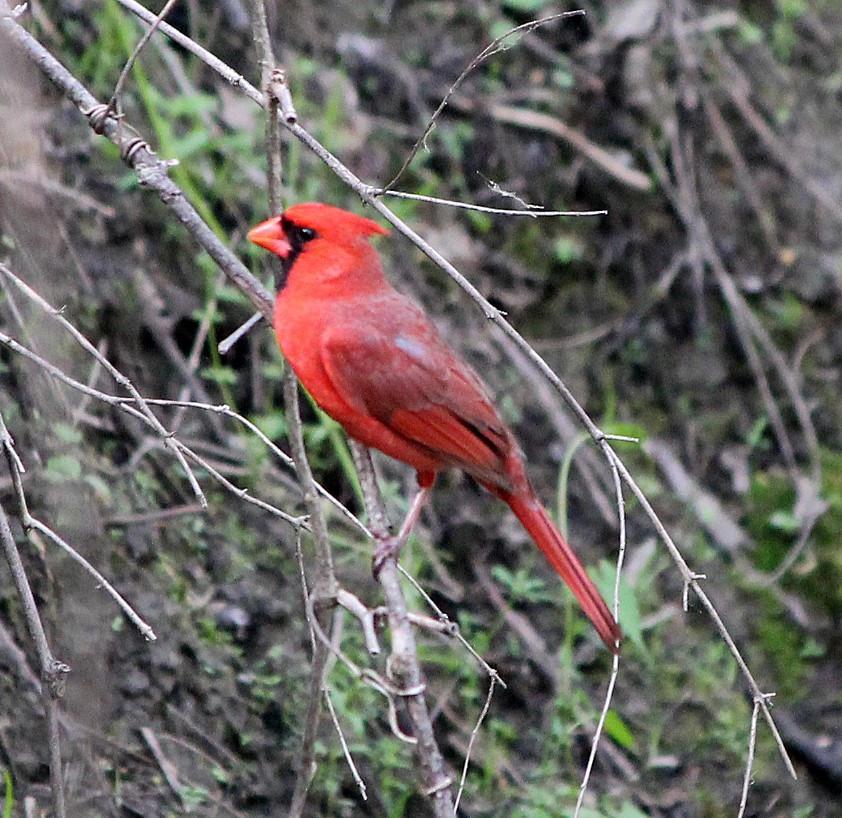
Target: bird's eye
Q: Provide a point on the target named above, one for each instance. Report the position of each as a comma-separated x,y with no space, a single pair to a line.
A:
306,233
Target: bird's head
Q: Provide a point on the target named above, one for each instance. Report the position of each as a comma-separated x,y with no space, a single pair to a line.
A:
288,234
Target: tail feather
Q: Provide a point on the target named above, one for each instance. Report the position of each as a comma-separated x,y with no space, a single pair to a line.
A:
535,519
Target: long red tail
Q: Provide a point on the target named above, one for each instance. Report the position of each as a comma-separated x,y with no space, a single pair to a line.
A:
534,518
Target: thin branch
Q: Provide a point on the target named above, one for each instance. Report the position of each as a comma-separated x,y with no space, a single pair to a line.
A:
347,752
114,102
30,524
242,494
227,411
166,766
474,734
112,370
318,674
151,171
326,585
691,579
752,742
404,667
52,671
365,615
615,665
143,627
494,47
226,343
121,403
532,211
451,628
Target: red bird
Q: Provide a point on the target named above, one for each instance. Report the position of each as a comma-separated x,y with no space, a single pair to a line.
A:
374,362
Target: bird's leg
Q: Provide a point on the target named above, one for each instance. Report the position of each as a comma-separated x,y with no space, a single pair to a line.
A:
390,547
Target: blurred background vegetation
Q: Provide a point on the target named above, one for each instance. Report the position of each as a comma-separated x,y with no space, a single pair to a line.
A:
701,314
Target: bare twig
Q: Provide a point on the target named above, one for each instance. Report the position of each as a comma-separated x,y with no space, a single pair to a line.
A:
129,408
345,749
365,615
227,411
451,628
752,741
226,343
143,627
326,585
152,172
169,769
533,212
615,665
318,669
52,671
115,373
474,734
114,103
30,525
404,666
691,579
494,47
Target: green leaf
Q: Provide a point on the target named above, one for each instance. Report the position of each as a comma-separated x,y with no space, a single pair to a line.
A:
567,250
102,490
273,425
220,374
63,467
190,143
524,6
9,799
618,731
784,521
755,434
521,585
749,33
622,429
67,433
629,810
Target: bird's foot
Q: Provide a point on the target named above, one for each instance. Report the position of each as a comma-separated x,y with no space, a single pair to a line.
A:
385,550
388,548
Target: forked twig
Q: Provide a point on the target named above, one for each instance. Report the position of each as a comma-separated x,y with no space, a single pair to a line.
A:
114,102
752,742
30,525
494,47
404,665
318,673
129,408
451,628
52,671
532,211
115,373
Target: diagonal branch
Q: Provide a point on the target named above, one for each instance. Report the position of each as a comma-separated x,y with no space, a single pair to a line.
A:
436,780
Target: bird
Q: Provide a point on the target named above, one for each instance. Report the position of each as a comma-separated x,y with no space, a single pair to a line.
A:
373,360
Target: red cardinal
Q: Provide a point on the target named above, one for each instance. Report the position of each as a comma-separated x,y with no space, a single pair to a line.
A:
373,361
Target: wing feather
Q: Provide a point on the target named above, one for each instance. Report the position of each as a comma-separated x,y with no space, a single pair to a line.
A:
409,379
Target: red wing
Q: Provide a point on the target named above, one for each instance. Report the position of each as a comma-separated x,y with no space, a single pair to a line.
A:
415,385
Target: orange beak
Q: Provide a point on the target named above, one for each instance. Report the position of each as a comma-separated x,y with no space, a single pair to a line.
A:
270,234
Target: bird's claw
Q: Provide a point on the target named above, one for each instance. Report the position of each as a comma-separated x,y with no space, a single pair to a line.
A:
386,549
